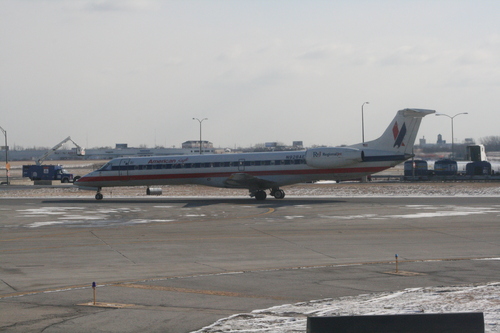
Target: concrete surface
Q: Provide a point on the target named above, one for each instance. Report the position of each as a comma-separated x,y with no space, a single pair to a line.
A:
176,265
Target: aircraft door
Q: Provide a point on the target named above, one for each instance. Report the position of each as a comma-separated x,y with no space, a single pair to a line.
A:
241,164
124,168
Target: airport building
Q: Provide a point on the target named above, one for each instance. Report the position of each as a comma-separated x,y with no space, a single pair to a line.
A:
121,149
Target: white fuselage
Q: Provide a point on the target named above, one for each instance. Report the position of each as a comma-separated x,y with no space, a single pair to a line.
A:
282,168
265,171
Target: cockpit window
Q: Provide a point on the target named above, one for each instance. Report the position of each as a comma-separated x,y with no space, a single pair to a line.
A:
105,167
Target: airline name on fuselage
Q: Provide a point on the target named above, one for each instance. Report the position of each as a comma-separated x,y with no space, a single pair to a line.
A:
168,161
318,154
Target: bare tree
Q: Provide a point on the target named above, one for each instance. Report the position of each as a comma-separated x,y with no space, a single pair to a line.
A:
491,143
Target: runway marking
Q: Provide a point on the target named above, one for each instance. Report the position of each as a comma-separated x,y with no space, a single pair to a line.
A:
195,291
124,283
49,290
270,211
404,273
108,305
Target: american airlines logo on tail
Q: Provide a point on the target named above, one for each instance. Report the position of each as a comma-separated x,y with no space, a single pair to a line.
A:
399,134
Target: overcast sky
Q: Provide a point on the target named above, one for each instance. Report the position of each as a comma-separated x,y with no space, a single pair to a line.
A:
138,71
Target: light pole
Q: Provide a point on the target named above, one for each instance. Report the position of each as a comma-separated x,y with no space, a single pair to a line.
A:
6,155
452,136
363,121
200,121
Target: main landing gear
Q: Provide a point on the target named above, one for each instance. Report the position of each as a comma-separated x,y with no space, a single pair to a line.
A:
261,194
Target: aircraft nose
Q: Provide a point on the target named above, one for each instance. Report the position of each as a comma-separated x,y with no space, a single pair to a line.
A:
79,180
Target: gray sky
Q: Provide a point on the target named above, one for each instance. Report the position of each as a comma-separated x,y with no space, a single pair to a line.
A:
138,71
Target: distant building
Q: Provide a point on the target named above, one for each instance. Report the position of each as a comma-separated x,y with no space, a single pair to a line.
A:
120,150
441,146
194,146
440,143
271,144
440,140
469,141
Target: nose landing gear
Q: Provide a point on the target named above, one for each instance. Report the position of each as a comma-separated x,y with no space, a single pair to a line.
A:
99,195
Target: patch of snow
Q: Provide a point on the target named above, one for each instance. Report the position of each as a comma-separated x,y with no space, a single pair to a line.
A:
292,318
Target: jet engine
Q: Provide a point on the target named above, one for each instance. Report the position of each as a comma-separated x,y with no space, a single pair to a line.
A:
153,191
332,157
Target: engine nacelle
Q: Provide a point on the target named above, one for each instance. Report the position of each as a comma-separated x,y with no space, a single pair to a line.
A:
153,191
332,157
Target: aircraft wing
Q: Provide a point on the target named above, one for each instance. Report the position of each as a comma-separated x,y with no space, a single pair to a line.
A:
245,180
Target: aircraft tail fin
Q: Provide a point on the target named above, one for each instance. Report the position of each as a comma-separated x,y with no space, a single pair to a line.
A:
400,136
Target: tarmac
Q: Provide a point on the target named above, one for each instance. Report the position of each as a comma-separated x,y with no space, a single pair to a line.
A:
179,264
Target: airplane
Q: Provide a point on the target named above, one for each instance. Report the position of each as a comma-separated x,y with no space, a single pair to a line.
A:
259,172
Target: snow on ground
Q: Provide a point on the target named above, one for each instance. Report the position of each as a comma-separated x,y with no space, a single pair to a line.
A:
292,318
347,189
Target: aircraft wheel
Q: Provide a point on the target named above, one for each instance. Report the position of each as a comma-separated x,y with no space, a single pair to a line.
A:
99,196
279,194
260,195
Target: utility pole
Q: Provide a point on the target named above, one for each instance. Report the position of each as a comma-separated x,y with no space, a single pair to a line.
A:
452,135
7,166
200,121
363,121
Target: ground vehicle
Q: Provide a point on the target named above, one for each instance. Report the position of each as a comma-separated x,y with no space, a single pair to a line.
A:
47,172
51,172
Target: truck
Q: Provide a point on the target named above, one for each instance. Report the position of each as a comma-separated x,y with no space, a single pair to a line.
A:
47,172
